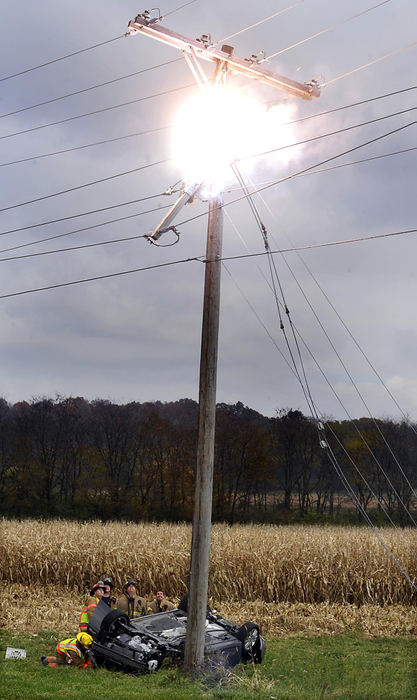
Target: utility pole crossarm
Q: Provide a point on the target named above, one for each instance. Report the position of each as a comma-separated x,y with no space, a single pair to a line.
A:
248,67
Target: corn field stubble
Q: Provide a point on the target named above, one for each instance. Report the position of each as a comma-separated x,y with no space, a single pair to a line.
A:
291,579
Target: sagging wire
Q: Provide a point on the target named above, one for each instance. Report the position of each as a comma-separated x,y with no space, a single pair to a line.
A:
311,402
320,424
348,374
274,275
324,444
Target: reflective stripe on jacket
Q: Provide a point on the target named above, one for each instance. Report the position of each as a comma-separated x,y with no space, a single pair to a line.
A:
69,649
87,611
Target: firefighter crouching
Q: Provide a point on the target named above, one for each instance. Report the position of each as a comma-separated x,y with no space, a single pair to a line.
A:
130,602
73,651
90,605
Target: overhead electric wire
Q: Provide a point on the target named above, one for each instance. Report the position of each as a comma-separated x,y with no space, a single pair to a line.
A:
313,409
257,155
306,389
358,431
274,275
101,277
305,170
364,355
169,126
88,145
328,29
149,211
77,247
98,111
86,184
62,58
87,89
84,213
351,379
329,133
88,48
201,258
171,12
256,24
370,63
85,228
351,104
345,165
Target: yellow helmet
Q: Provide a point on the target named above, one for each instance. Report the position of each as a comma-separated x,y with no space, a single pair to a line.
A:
85,639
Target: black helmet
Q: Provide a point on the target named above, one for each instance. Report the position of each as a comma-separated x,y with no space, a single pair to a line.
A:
130,582
108,581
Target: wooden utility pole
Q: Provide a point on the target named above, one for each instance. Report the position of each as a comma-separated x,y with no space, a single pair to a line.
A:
194,50
200,547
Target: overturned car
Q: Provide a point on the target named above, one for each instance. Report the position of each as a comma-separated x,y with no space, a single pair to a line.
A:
142,644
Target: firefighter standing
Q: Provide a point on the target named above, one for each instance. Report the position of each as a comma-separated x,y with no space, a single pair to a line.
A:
159,604
72,651
130,602
108,587
91,603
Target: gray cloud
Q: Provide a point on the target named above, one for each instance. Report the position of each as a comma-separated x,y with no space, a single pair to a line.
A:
137,337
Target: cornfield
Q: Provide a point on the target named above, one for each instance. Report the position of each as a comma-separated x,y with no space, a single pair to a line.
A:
249,563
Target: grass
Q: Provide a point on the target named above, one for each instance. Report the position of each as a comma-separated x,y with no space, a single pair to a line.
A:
343,666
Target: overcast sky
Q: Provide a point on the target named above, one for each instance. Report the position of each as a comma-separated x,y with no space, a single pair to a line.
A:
137,337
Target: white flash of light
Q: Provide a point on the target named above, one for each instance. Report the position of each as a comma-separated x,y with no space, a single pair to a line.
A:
217,127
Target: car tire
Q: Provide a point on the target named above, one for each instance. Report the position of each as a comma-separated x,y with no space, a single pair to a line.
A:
111,621
249,635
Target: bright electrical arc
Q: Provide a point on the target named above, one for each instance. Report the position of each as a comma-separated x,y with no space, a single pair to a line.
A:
220,125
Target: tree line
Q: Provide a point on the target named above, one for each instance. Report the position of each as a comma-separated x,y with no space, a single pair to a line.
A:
69,457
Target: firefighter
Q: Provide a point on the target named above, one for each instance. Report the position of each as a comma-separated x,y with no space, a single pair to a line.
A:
130,602
159,604
91,603
73,651
108,587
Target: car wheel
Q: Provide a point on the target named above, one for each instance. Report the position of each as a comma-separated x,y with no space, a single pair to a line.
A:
249,635
111,622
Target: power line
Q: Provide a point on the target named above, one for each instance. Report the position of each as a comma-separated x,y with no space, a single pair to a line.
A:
371,63
100,277
199,258
88,48
256,24
92,87
306,170
353,162
169,126
328,29
171,12
85,228
75,247
84,213
68,55
329,133
99,111
352,104
306,389
327,244
257,155
88,145
86,184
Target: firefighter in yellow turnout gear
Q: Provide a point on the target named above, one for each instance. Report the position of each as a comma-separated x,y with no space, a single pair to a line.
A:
90,605
72,651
